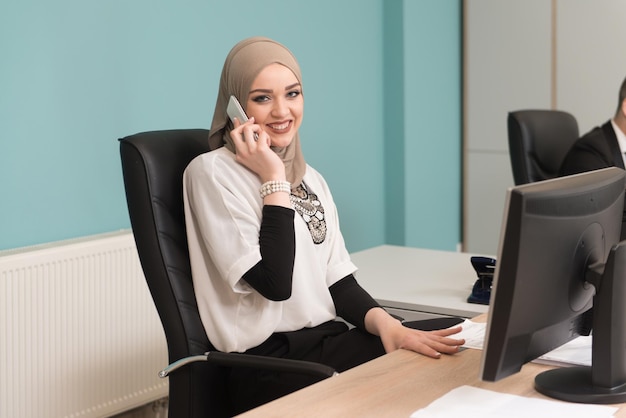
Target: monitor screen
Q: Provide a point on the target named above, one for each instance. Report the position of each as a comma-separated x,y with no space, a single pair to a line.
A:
556,259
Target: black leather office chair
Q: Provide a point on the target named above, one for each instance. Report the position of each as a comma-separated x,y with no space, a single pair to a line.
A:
153,165
538,142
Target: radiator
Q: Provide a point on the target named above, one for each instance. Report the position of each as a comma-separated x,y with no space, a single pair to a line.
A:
80,336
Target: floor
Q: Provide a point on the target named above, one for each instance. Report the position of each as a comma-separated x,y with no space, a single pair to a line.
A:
156,409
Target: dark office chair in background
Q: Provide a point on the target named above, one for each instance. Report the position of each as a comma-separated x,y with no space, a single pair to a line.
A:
153,165
538,142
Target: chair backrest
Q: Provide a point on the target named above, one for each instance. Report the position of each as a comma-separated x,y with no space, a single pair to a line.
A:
153,165
538,142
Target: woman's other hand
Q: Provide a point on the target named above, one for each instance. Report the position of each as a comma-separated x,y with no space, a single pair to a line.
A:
394,335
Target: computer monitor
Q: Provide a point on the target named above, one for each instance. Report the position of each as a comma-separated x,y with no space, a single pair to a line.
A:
559,255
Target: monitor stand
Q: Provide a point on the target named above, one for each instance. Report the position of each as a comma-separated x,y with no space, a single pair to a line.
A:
605,381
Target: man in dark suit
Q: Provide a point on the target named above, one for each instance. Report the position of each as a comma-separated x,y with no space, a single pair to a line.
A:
604,146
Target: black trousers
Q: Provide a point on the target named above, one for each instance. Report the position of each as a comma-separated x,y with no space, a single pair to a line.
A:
331,343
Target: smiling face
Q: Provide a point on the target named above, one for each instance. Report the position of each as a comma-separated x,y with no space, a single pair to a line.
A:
276,103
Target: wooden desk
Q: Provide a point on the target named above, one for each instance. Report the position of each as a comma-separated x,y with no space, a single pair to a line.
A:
396,385
417,283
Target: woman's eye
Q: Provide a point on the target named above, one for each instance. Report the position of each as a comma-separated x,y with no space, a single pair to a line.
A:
260,99
294,93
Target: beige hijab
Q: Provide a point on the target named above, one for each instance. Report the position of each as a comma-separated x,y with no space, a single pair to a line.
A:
244,62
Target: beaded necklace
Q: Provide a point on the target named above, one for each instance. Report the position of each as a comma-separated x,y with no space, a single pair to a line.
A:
310,208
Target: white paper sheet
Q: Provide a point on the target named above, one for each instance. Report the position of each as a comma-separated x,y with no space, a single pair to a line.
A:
576,352
471,402
473,333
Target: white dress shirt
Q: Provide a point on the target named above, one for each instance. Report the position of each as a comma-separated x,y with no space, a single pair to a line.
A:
621,140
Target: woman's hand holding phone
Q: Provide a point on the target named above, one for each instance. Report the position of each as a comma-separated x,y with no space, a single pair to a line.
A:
253,145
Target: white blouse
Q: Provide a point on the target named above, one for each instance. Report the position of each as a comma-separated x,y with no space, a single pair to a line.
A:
223,212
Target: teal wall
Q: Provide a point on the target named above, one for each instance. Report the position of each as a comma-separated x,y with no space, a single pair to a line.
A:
432,124
75,75
393,118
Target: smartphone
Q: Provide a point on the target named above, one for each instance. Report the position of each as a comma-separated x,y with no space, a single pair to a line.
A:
234,110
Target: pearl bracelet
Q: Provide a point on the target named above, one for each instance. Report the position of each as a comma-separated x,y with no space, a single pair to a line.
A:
274,186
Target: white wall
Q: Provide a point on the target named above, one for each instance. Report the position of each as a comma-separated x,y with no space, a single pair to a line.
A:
591,58
509,59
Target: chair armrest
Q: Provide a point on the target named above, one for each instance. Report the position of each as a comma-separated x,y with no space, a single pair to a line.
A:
252,361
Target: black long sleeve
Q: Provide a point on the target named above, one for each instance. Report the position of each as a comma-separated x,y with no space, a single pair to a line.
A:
352,301
272,276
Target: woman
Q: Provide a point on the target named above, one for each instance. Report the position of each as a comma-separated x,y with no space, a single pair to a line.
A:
270,268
